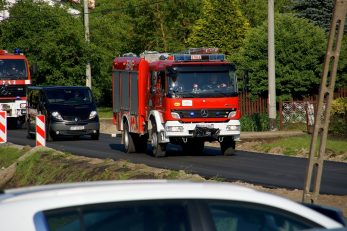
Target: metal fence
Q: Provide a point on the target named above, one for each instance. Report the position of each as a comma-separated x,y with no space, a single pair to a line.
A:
296,111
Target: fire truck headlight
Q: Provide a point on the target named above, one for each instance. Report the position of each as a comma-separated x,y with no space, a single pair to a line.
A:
23,105
175,115
174,129
233,128
56,115
232,114
92,114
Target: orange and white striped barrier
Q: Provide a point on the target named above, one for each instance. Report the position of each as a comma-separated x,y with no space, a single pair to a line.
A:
3,127
40,130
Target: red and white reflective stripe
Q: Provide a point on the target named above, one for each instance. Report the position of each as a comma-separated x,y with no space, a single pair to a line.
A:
40,131
3,127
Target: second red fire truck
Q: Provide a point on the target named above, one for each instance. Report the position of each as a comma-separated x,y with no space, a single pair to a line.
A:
186,99
14,79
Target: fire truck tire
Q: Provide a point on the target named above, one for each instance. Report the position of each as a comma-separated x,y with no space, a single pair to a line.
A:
158,149
228,146
193,147
141,143
128,140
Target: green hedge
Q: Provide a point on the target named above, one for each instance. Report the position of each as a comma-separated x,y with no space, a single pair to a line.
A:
338,117
255,123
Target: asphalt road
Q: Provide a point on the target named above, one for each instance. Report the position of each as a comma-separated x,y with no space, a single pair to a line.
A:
262,169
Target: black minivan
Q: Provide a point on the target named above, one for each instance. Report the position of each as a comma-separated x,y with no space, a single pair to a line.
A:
69,111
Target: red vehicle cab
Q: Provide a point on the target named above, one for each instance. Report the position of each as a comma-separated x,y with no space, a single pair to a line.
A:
14,79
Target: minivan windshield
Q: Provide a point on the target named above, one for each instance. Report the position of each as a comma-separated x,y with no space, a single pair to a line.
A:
71,96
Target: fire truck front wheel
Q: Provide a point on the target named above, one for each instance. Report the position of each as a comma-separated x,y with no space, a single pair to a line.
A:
128,140
228,146
158,149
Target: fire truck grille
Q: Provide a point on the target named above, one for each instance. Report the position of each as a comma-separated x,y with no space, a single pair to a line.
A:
13,90
204,113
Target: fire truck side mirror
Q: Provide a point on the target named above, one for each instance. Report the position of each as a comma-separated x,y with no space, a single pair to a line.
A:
172,72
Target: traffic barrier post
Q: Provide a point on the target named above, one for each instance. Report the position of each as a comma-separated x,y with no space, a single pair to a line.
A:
40,130
3,126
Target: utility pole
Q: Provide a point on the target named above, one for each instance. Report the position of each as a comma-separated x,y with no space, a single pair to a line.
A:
271,67
86,33
326,94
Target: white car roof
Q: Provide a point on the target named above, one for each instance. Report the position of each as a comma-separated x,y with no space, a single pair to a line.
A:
26,202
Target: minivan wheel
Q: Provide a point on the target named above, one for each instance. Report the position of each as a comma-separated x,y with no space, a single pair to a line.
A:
30,135
95,136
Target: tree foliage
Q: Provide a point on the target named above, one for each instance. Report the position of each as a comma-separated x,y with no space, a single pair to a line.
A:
49,37
299,47
162,25
317,11
256,11
55,40
221,25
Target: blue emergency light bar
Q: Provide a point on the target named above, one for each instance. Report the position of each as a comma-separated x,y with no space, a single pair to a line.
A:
17,51
198,57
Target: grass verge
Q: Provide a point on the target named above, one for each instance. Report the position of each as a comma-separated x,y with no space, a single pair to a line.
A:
9,154
293,146
47,166
105,112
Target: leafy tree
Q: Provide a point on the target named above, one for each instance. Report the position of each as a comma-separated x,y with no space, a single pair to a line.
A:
256,11
341,75
300,48
161,25
317,11
320,12
221,25
49,37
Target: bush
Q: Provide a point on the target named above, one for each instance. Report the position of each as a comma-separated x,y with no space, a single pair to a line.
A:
338,117
256,122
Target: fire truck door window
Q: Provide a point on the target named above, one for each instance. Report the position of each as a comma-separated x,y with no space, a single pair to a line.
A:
161,78
153,81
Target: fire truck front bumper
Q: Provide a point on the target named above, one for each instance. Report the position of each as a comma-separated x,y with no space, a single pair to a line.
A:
203,130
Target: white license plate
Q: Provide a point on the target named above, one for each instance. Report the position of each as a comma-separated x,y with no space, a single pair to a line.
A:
205,125
75,128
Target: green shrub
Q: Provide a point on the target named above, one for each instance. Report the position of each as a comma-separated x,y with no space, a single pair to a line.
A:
338,117
256,122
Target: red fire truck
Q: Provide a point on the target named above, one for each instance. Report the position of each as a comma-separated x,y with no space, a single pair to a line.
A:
186,99
14,79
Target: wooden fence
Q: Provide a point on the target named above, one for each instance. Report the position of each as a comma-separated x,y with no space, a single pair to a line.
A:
260,105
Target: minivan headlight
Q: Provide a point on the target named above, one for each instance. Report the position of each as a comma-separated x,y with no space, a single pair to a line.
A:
56,115
92,114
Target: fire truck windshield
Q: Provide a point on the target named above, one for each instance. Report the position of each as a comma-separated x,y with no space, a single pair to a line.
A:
13,69
202,82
